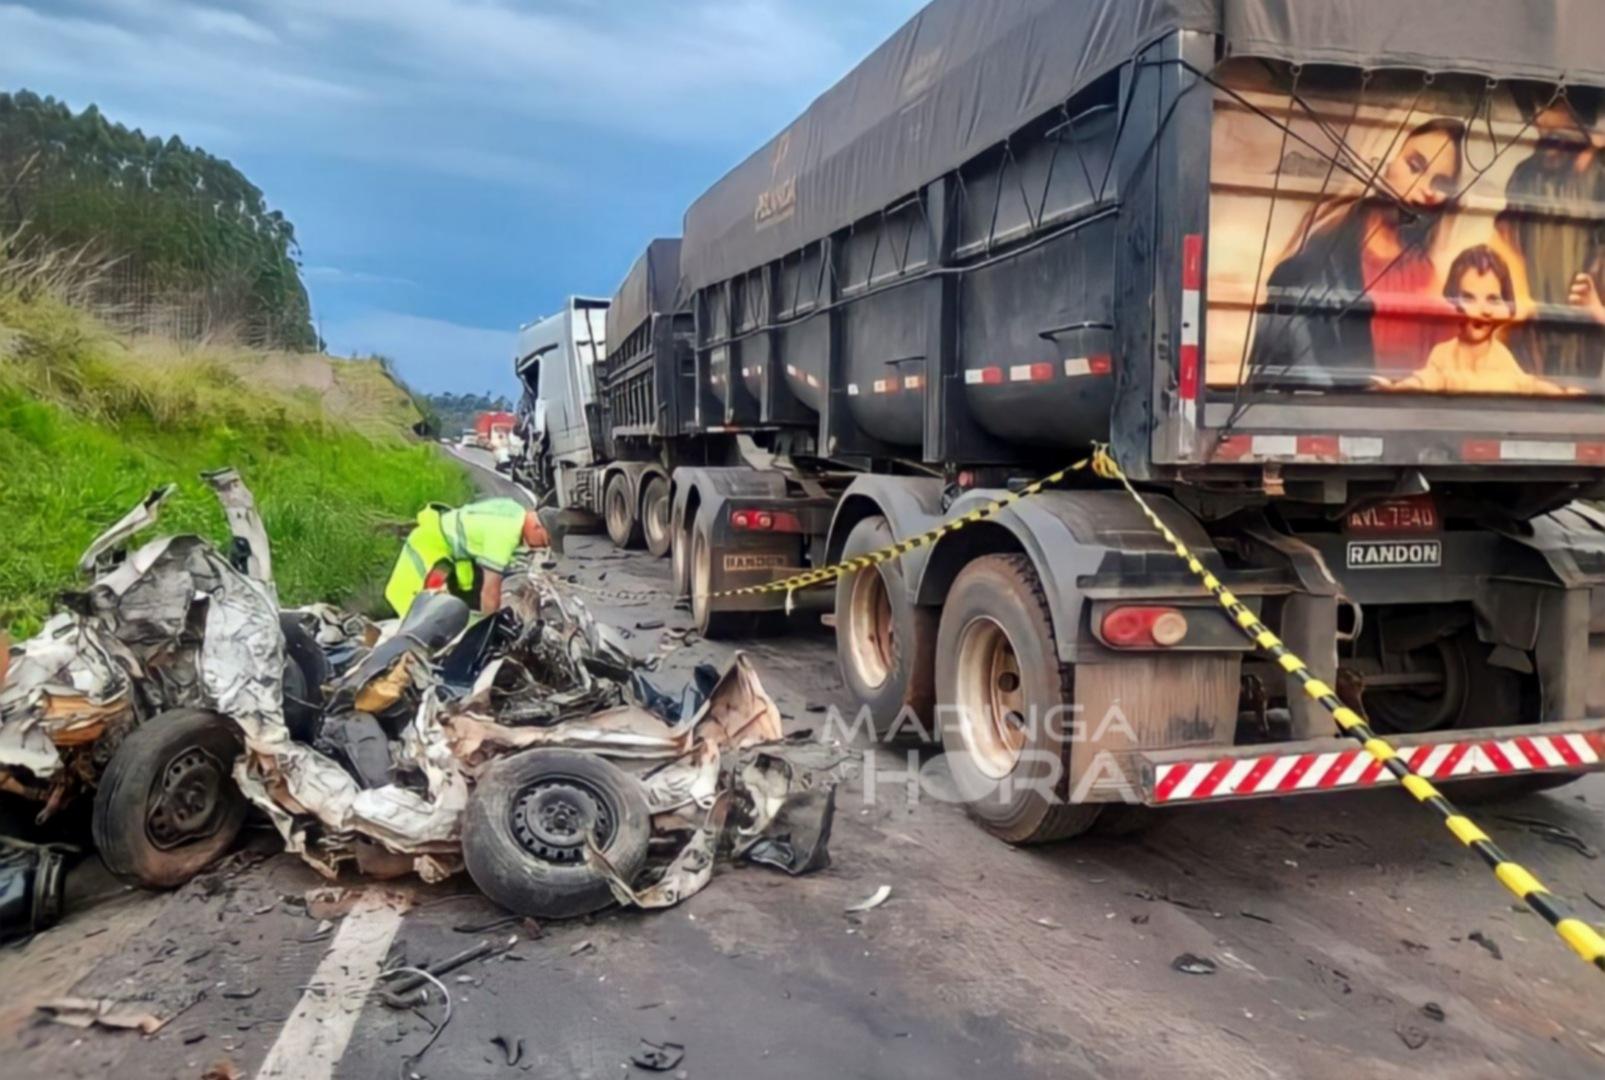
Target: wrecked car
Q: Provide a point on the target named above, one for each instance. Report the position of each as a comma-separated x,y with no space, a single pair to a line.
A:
529,747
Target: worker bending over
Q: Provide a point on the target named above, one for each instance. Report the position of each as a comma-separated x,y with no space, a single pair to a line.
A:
465,551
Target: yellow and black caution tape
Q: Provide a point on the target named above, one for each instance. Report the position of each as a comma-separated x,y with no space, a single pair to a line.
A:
1584,940
828,574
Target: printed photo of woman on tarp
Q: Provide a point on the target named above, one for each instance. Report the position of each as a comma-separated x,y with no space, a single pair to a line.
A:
1359,290
1447,238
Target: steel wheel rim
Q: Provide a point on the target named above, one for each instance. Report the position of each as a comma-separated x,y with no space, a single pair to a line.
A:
185,799
552,817
657,519
871,630
617,510
989,695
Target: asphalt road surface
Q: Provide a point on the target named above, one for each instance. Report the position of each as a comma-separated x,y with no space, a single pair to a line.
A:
1341,930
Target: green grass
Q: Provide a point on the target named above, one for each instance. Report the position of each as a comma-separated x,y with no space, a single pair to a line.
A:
90,423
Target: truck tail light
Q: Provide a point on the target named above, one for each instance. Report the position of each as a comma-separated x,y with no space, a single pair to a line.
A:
780,521
1144,627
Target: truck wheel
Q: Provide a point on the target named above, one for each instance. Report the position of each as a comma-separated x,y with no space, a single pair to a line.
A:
1473,693
167,804
527,822
1007,723
885,644
717,624
655,516
680,558
623,526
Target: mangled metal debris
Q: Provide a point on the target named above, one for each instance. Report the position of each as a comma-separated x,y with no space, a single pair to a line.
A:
529,745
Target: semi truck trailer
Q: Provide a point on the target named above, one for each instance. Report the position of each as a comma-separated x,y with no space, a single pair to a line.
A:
1326,279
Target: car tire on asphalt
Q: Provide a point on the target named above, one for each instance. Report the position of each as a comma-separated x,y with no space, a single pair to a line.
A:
655,516
623,524
1006,728
167,806
885,644
525,827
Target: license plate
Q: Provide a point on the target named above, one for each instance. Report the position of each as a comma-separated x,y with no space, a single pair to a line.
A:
1396,517
747,564
1394,554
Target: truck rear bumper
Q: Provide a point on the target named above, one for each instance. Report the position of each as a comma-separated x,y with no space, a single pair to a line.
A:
1311,766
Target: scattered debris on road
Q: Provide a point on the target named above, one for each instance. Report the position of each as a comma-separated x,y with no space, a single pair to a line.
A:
93,1012
528,746
1188,964
875,900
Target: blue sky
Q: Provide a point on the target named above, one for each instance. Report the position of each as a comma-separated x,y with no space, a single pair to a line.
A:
453,167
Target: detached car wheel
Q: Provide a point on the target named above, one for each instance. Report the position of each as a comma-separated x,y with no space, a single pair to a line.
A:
525,830
168,806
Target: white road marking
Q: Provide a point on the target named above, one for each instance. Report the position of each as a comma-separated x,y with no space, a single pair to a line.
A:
314,1038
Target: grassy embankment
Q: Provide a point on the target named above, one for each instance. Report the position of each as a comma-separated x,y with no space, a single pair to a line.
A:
90,422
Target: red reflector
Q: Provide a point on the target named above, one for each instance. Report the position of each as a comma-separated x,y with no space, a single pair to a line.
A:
1591,453
436,581
1319,446
1234,448
992,376
1480,450
1192,261
1144,627
966,479
1099,365
1187,382
1041,372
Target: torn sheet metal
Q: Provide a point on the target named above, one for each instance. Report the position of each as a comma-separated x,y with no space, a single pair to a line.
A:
67,687
141,517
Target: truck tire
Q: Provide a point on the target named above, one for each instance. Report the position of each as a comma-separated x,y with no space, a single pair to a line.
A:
655,516
680,559
1006,726
885,644
167,805
623,524
526,824
1474,693
721,625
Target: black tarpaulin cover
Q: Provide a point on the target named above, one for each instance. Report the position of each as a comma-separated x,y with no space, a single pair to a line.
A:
964,74
650,288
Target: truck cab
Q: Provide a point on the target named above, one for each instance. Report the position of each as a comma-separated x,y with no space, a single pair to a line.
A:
558,424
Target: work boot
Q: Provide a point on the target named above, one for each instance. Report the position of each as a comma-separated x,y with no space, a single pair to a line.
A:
551,520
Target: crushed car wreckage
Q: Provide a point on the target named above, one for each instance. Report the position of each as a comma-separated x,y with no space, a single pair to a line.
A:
529,746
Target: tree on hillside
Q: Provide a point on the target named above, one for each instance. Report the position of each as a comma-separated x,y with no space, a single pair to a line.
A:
185,232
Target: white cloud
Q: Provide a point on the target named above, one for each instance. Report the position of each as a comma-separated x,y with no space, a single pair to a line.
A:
432,354
230,24
337,276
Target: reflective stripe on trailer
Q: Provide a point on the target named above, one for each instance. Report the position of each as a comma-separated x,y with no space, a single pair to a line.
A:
1312,448
1340,769
1535,450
